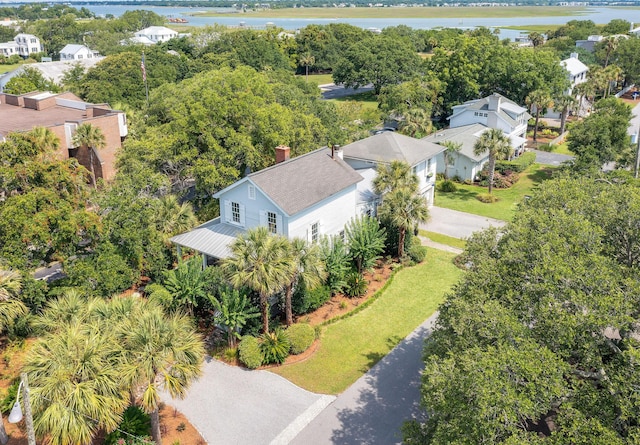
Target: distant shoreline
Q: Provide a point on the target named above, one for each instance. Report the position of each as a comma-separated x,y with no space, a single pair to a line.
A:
406,12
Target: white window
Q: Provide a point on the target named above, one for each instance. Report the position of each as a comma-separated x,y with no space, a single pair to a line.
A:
272,222
234,213
252,192
315,232
79,56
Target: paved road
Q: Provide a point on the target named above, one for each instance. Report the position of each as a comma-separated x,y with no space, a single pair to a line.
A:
457,224
634,124
230,405
333,91
544,157
374,408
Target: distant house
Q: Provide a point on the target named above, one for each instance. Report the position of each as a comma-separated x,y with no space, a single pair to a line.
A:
62,113
22,45
155,34
49,70
495,111
384,148
307,197
77,52
576,71
590,43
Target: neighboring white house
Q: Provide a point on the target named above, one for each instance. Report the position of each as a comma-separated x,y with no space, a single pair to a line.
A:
307,197
28,44
576,71
464,164
367,154
154,34
23,45
495,111
77,52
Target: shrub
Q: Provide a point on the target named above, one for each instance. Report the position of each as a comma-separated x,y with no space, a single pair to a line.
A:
486,198
417,252
230,354
134,421
301,336
546,147
275,346
9,399
447,186
356,285
250,352
305,300
517,165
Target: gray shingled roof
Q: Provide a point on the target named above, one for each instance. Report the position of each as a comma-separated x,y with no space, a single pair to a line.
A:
391,146
303,181
466,135
505,105
212,238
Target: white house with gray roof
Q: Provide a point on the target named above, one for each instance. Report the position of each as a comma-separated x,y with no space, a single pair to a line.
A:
495,111
576,71
389,146
465,163
77,52
306,197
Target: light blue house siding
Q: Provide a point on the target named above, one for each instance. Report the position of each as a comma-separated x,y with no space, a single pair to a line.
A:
246,206
462,167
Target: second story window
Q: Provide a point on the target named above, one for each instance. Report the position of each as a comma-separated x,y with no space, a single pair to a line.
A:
252,192
315,232
235,212
272,222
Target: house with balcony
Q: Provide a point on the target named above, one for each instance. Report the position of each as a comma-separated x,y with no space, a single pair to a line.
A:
22,45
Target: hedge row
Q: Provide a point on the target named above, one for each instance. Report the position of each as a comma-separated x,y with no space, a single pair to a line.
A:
518,165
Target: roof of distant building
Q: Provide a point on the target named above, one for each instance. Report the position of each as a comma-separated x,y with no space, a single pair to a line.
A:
155,30
53,70
391,146
74,49
574,66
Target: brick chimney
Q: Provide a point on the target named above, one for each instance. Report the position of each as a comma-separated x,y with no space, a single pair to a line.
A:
282,153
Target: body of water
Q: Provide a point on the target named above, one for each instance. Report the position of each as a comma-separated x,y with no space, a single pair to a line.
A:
598,15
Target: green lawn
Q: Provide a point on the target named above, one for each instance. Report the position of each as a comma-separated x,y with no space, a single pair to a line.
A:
444,239
465,200
368,100
398,12
320,79
562,149
7,68
350,347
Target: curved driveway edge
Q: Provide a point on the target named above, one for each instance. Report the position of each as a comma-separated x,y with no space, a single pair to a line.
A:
457,224
373,409
231,405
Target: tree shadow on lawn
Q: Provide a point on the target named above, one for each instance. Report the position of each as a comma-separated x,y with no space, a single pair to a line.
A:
375,357
540,175
461,194
391,397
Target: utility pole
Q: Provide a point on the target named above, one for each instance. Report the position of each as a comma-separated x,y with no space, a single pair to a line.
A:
637,166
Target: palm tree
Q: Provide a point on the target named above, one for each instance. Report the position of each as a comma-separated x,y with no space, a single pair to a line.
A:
564,104
262,262
540,100
75,377
173,217
308,269
610,45
612,73
90,138
584,90
498,145
394,175
404,208
159,351
45,139
10,307
450,154
307,60
416,122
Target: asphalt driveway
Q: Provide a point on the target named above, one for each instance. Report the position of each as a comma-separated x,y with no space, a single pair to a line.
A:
373,409
230,405
457,224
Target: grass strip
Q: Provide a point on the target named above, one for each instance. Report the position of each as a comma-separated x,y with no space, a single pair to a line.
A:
353,344
444,239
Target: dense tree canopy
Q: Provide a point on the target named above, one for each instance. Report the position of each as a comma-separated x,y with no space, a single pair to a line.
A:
538,343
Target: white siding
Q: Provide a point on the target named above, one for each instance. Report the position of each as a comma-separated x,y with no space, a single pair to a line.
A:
332,213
